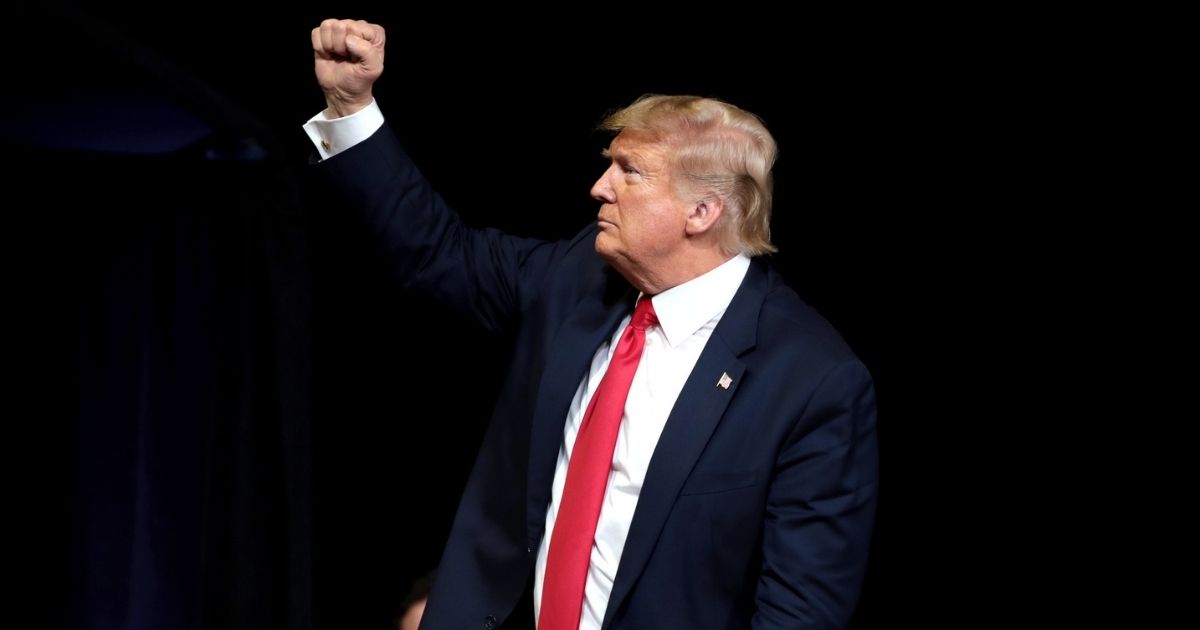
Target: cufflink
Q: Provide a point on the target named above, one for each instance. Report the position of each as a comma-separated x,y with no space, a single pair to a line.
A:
325,144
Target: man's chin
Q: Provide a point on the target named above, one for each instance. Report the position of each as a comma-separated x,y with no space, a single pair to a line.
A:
604,248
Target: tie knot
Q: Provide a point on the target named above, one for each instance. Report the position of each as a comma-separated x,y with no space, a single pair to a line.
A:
643,315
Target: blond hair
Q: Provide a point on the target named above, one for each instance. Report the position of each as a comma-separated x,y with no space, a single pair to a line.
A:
718,149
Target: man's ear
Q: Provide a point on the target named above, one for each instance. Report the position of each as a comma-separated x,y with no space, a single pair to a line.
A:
704,215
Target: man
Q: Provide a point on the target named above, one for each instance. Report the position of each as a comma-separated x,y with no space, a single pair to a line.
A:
682,441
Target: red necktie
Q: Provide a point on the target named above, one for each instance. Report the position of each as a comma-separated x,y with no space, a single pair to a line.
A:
587,477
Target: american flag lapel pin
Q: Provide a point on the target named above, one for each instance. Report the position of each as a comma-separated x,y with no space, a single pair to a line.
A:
725,380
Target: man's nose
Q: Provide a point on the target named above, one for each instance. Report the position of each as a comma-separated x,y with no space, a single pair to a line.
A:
602,190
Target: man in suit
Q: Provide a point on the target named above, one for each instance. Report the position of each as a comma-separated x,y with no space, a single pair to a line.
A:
681,442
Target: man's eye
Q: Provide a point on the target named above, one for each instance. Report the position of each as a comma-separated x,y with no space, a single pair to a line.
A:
628,170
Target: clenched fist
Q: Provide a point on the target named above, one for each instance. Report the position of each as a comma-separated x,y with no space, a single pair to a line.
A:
349,58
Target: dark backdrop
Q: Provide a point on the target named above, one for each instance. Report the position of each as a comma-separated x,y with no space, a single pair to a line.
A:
240,421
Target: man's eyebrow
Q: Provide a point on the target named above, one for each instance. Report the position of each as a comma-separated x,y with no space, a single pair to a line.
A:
622,157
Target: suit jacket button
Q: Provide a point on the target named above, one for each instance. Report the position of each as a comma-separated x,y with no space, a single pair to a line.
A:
489,622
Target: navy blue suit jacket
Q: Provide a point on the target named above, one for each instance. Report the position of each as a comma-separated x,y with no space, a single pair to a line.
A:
759,500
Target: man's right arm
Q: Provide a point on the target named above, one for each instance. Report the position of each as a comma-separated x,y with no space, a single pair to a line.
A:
482,274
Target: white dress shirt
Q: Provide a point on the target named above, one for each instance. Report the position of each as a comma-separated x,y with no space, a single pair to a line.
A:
687,315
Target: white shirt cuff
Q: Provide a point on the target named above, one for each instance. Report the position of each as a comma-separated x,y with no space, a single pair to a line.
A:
331,136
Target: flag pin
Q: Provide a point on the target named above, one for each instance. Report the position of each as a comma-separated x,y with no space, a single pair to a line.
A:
725,380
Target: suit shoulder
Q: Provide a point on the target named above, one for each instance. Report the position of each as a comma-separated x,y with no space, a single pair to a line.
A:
790,324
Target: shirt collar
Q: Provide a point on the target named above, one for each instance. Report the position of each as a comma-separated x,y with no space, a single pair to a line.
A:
684,309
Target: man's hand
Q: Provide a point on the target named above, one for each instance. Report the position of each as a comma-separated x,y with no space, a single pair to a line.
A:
349,59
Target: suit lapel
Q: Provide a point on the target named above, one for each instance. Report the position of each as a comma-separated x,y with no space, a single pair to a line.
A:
695,416
592,321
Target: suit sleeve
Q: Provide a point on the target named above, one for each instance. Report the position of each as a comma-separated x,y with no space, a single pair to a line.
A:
821,508
483,275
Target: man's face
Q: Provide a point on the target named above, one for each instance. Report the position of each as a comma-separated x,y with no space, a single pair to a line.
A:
641,221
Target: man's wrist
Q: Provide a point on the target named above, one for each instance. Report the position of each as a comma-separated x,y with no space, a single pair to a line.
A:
338,108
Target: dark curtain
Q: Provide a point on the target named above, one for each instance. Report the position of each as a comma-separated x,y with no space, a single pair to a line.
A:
179,294
161,261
